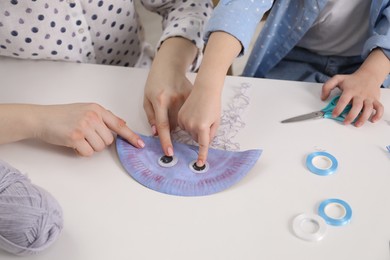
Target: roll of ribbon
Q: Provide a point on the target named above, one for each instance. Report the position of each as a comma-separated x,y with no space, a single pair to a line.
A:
335,207
309,227
321,163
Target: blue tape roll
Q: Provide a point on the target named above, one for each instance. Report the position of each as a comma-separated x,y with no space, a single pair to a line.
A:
319,171
335,221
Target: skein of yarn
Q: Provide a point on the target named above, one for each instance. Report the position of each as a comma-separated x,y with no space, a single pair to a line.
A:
30,217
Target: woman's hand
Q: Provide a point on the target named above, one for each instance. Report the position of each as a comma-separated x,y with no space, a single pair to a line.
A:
87,128
167,88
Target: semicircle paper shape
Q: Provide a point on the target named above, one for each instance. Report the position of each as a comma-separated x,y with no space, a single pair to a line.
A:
225,167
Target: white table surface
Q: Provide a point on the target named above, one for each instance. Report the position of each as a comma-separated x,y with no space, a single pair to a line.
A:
108,215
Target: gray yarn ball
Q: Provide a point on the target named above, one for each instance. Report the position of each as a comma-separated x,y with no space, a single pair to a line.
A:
30,218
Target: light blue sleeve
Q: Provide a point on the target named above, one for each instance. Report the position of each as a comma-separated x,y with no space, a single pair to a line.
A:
239,18
380,36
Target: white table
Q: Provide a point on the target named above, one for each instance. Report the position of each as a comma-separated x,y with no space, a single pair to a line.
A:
108,215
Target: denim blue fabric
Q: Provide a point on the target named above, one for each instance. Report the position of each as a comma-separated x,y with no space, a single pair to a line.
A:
302,65
286,24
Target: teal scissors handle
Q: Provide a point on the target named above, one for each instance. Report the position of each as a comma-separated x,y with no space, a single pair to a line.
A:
330,107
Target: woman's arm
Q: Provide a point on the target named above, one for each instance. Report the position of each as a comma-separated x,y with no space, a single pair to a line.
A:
167,87
87,128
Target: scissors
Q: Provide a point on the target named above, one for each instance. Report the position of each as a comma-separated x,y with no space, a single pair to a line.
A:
323,113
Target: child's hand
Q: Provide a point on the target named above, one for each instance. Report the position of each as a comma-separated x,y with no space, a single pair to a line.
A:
361,91
200,117
200,114
84,127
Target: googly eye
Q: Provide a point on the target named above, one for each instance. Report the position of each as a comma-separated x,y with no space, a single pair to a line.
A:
196,169
167,161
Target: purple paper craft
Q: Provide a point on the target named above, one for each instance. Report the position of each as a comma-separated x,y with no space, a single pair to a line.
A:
225,167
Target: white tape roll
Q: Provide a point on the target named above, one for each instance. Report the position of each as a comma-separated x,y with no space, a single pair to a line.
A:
309,227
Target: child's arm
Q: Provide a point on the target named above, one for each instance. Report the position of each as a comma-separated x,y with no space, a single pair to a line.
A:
361,89
83,127
229,32
200,114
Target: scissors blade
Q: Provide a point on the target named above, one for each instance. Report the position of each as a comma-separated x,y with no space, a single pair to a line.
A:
312,115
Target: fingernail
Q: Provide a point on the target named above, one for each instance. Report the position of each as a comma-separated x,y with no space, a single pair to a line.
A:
199,163
154,130
170,151
141,143
122,122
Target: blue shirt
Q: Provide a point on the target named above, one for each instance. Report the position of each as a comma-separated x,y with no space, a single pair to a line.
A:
286,24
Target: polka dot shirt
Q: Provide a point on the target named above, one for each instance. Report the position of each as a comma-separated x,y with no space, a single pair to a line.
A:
94,31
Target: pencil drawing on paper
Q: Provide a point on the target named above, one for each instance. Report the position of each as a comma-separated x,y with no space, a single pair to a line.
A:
230,125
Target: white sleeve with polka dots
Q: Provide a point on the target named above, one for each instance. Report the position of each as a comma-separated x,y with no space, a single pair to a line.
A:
184,18
85,31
